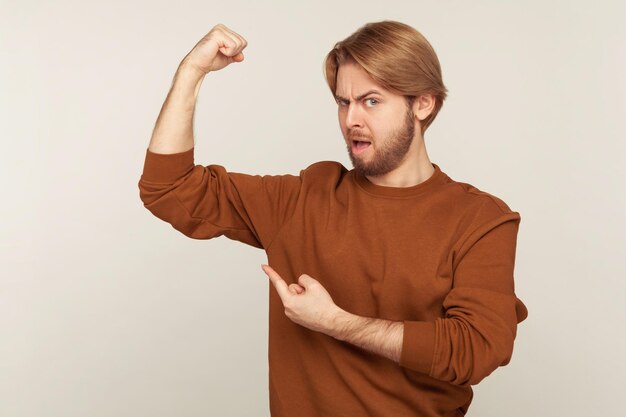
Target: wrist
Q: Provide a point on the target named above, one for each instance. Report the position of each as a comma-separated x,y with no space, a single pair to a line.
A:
339,322
187,81
189,69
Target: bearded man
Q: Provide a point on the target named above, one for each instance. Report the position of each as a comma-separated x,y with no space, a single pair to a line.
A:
391,287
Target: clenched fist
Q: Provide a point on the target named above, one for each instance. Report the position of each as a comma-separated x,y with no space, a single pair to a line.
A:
218,48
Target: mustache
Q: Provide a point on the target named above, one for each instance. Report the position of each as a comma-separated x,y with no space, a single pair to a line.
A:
358,136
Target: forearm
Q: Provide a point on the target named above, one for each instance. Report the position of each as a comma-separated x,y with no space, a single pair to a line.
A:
379,336
173,131
308,304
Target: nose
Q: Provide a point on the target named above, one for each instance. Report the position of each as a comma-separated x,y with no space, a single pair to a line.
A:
353,116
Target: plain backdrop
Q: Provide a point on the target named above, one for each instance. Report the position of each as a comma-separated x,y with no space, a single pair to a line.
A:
105,310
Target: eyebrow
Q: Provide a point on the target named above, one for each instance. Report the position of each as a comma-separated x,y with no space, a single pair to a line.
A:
361,97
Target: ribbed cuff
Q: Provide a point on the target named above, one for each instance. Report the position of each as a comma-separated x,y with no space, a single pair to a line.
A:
418,346
167,167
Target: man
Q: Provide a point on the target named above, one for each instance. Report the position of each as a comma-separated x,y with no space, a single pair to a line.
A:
392,284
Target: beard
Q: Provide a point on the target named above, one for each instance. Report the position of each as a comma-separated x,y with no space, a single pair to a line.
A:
391,154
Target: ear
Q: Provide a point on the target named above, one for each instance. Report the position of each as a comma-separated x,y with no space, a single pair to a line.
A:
423,106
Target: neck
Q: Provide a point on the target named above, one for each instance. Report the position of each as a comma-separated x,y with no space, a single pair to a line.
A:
414,169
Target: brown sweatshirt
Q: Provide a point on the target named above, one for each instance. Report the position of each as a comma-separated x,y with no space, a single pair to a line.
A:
438,256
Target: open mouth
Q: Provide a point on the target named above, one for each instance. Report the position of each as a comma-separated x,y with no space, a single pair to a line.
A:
359,146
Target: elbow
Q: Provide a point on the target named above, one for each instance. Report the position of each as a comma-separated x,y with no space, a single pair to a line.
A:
486,358
163,203
157,198
472,356
488,363
149,193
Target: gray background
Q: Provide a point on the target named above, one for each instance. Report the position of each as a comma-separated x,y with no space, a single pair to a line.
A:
107,311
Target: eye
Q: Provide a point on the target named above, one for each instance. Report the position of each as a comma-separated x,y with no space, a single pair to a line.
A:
371,100
340,102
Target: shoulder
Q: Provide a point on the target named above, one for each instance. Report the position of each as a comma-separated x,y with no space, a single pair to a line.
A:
481,197
323,171
472,198
477,210
477,213
325,166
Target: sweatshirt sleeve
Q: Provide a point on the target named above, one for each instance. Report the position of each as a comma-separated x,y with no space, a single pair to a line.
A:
204,202
476,334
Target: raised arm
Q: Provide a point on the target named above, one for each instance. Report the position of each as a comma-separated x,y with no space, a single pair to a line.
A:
173,131
200,201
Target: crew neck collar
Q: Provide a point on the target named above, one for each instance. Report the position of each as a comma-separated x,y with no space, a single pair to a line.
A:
438,177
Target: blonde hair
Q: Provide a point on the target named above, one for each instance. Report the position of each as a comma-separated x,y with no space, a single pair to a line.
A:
397,57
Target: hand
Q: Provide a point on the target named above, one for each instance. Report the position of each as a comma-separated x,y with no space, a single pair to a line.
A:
217,49
306,303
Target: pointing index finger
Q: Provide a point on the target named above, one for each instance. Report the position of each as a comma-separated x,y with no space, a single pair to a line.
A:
280,285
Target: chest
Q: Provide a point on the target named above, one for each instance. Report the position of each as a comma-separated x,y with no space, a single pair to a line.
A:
388,261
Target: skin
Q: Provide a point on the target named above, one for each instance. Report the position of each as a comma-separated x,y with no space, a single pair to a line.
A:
393,159
387,156
219,48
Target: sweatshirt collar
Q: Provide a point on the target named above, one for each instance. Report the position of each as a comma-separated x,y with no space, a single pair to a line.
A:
437,178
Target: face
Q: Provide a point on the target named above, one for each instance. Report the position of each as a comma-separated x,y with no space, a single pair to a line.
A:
378,125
